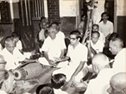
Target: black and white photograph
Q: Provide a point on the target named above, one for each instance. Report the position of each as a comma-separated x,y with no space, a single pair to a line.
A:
62,47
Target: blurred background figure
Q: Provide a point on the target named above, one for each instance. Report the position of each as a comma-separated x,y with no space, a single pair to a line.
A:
42,33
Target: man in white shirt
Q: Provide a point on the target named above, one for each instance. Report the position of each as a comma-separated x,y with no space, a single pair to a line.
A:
11,54
77,53
116,46
95,27
100,84
106,26
95,43
53,47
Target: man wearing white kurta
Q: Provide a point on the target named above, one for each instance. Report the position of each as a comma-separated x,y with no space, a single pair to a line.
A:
53,47
105,26
100,84
116,47
11,54
77,53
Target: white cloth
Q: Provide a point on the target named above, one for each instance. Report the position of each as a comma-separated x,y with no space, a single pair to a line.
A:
2,92
107,28
119,64
77,54
100,84
59,91
12,59
98,47
54,47
19,45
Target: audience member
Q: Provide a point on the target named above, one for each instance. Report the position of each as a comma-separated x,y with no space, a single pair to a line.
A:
11,54
105,26
95,27
77,55
95,43
118,84
104,73
53,48
116,46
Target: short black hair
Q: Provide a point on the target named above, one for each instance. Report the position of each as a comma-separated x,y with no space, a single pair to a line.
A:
43,17
95,25
96,33
44,89
115,37
76,32
57,80
104,13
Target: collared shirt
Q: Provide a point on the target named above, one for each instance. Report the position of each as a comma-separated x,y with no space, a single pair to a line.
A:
12,59
77,54
119,64
100,84
107,28
54,47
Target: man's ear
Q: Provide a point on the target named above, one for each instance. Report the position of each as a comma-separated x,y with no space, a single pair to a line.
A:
78,39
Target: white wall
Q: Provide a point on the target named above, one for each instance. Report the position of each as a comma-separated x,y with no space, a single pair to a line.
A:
68,7
121,8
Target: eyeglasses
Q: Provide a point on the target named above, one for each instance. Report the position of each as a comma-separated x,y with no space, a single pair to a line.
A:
73,38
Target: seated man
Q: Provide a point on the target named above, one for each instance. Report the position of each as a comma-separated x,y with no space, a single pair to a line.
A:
95,43
59,35
77,54
118,84
53,49
116,46
95,28
11,54
104,73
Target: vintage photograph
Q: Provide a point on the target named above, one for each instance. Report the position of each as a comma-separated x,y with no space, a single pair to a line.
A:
62,47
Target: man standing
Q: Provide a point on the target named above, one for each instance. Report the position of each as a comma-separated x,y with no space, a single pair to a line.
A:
105,26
